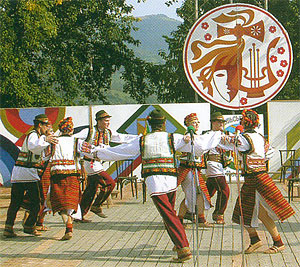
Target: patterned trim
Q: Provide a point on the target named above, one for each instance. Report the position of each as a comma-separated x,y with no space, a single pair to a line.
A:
27,159
158,166
29,164
214,157
184,161
62,162
188,164
66,172
89,159
159,161
142,145
86,147
251,150
159,171
23,154
255,165
252,165
102,137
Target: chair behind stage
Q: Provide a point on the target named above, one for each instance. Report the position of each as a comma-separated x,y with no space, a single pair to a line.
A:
286,155
294,180
125,174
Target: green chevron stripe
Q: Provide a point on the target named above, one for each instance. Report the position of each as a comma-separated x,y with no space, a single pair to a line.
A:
293,136
134,116
180,128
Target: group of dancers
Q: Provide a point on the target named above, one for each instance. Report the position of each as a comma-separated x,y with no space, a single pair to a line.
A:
45,155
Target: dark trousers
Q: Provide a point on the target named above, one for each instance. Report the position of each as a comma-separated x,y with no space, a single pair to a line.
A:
165,205
218,184
18,191
106,184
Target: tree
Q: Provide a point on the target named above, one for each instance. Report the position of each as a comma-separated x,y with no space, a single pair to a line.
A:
65,52
287,12
25,27
169,78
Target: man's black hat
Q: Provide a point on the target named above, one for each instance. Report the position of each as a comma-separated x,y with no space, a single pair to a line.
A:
156,116
42,118
217,116
101,115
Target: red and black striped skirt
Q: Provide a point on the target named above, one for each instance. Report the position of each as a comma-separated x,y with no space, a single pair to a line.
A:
265,186
64,193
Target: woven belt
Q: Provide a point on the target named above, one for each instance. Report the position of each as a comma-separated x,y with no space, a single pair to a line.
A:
214,157
88,159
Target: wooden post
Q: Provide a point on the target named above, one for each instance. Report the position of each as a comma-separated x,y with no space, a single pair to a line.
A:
196,18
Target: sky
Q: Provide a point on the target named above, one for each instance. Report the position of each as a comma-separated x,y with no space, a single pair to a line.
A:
154,7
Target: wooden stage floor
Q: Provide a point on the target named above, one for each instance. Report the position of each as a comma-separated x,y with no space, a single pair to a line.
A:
134,235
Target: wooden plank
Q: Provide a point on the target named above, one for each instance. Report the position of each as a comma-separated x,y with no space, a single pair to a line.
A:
134,235
107,248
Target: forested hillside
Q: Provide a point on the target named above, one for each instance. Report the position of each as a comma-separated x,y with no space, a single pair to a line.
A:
150,34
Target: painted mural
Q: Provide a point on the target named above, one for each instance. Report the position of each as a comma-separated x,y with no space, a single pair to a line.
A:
284,129
283,125
131,119
237,56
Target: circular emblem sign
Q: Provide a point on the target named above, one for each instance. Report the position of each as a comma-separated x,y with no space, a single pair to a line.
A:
237,56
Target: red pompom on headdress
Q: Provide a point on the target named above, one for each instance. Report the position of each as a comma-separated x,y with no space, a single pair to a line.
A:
251,118
239,128
189,118
66,125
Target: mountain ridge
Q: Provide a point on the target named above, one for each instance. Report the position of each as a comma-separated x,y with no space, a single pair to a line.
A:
152,28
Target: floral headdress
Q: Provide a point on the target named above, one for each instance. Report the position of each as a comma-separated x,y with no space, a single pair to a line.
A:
189,118
251,118
66,125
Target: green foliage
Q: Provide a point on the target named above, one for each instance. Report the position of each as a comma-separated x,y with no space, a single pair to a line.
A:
25,26
287,12
65,52
169,78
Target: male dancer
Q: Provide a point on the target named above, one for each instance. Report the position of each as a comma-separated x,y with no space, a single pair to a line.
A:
98,135
217,160
25,176
159,169
44,185
186,172
260,197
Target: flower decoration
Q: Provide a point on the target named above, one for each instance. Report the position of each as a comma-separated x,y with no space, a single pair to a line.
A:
283,63
226,31
280,73
204,26
273,59
272,29
243,101
207,37
255,30
66,125
281,50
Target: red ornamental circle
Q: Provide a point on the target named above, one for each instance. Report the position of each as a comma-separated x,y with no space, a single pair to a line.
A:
273,59
205,25
237,62
272,29
283,63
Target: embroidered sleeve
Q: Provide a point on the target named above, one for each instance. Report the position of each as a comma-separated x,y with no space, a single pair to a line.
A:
86,147
250,142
